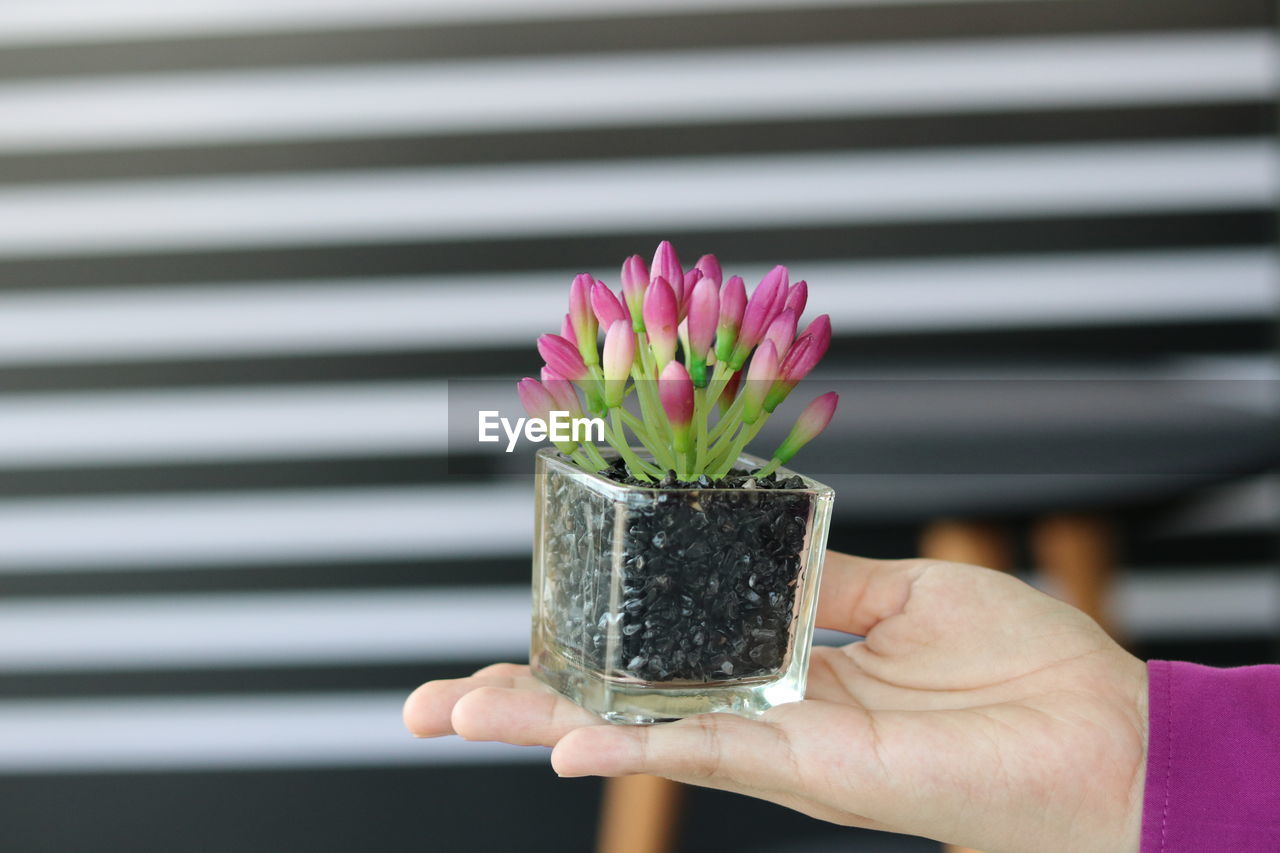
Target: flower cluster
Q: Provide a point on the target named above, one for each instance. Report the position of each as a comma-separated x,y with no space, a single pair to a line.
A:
705,364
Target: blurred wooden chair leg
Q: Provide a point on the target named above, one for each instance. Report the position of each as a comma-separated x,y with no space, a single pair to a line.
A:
980,543
1077,555
639,815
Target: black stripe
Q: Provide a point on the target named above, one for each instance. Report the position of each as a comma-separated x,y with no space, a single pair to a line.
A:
520,808
1074,345
640,33
221,476
1241,651
265,680
1189,552
867,241
178,579
1226,120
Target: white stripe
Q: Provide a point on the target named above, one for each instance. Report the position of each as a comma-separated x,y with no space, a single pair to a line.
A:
244,423
52,21
1223,602
1250,504
387,314
606,198
335,730
349,626
602,90
199,530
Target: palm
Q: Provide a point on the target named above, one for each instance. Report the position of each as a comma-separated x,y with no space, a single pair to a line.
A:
977,711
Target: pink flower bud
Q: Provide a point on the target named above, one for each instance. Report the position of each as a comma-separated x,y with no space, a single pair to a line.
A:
798,298
793,368
635,279
812,421
709,265
562,392
803,356
733,302
760,378
782,331
566,331
661,321
539,402
704,313
691,279
766,301
675,390
607,307
583,318
820,329
799,360
779,298
667,265
562,357
535,398
619,353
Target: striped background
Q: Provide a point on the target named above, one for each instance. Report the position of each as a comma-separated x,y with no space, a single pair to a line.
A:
243,245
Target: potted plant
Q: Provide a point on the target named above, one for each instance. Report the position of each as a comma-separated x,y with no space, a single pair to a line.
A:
673,573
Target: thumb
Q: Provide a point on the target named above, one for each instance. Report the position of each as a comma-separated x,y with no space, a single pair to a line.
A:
858,593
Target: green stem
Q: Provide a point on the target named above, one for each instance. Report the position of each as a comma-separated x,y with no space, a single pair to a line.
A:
735,447
637,426
770,468
618,438
689,474
597,385
700,431
660,446
704,401
729,421
719,378
655,423
594,456
646,357
726,438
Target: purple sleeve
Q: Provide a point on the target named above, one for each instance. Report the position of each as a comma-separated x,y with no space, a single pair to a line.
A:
1213,764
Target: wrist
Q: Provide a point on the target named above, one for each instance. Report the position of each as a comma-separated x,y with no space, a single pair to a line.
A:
1131,831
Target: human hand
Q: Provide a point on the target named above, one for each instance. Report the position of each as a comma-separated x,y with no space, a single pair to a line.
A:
977,711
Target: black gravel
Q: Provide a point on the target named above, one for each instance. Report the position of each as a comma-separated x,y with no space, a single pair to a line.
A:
709,578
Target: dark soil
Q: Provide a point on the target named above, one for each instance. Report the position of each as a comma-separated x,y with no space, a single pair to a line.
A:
709,578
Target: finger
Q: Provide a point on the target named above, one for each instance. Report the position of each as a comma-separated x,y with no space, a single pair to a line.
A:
509,670
857,593
526,715
717,750
428,709
816,757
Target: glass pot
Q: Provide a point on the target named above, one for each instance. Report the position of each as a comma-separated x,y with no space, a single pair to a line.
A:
652,604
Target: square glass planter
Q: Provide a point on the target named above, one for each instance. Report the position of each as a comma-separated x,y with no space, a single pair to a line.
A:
653,604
